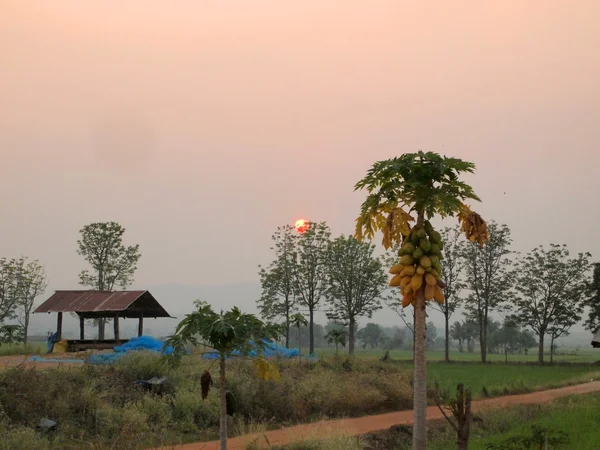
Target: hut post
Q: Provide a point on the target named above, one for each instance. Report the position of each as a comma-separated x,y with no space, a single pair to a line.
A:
81,328
59,327
141,324
116,322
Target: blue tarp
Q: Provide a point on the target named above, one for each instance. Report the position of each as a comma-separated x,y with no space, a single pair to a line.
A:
138,343
271,350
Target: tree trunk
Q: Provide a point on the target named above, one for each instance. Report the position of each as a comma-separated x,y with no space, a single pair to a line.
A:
460,346
420,377
447,346
299,345
351,337
287,329
414,334
223,407
311,346
551,349
336,348
483,340
26,328
464,417
541,347
101,328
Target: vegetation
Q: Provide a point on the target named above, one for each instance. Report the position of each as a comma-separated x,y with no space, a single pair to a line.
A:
552,290
21,282
488,279
355,282
101,405
593,302
278,280
113,264
428,185
226,333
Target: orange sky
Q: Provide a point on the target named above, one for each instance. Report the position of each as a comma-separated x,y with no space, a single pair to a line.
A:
203,125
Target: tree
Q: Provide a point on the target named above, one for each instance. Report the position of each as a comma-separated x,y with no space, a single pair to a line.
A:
431,335
278,280
31,282
113,264
457,332
355,282
428,185
337,337
552,290
592,324
225,333
311,270
370,335
489,278
298,320
451,275
9,289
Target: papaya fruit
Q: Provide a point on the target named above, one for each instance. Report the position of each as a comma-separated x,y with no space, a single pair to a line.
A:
407,289
437,267
434,259
418,254
416,282
421,233
407,299
405,281
414,238
421,270
429,292
407,249
396,269
438,295
408,271
395,281
435,236
435,250
428,227
428,269
435,273
425,245
407,260
430,280
425,262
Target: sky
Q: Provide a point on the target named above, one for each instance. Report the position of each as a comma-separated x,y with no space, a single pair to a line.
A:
201,126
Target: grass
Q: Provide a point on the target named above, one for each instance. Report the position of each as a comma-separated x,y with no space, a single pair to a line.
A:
35,348
103,406
576,416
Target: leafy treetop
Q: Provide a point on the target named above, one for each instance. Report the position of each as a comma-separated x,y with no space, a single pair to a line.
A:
424,183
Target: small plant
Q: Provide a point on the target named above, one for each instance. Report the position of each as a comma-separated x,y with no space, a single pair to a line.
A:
541,438
461,410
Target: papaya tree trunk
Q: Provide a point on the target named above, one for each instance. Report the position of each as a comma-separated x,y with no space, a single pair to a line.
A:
420,375
223,407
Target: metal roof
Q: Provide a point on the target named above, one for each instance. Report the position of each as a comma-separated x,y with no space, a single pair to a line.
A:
87,302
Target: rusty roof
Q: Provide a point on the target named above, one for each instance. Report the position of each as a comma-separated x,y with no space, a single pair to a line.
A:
87,302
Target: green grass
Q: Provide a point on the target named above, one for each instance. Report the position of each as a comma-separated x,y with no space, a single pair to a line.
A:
36,348
577,416
582,356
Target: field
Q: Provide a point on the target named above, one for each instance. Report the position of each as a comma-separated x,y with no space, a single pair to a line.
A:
102,405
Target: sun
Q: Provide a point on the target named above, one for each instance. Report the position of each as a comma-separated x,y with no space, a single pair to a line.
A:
301,226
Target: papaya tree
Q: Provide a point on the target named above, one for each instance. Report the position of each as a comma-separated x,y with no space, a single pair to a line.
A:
417,187
229,334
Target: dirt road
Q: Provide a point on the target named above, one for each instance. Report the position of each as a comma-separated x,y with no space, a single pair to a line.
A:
11,361
363,425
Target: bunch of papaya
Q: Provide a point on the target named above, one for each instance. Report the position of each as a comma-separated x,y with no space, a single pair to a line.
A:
420,267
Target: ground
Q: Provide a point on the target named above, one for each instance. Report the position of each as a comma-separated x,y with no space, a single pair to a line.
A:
102,405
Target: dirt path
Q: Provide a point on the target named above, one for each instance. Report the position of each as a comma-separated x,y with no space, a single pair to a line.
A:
363,425
11,361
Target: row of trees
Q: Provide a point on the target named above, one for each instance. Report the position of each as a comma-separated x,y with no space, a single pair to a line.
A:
544,290
311,271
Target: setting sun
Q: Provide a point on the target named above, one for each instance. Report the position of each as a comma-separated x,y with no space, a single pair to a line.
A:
301,225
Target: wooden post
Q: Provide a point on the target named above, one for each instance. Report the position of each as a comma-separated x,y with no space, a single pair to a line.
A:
81,328
116,321
59,327
141,325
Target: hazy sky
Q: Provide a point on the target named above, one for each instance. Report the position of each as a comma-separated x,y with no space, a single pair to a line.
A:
203,125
